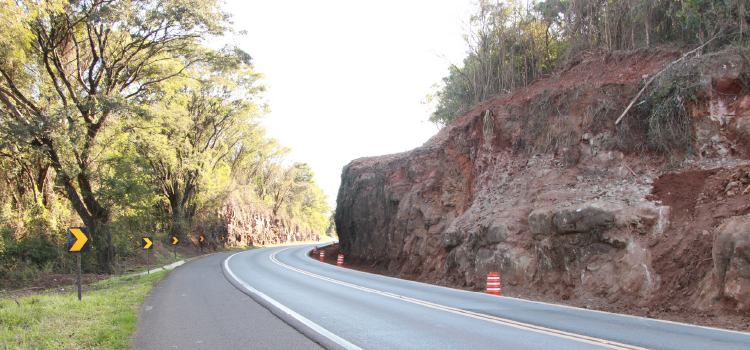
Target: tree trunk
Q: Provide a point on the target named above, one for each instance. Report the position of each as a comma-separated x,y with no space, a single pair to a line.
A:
180,198
179,221
104,244
97,219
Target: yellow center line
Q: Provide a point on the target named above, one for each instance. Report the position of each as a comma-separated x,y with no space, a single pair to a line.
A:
475,315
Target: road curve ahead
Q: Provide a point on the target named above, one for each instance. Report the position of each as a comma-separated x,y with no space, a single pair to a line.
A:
356,310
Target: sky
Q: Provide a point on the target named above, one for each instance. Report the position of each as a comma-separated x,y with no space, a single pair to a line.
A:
346,78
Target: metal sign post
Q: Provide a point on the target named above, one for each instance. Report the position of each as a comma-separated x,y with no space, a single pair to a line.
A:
174,246
79,242
78,277
147,244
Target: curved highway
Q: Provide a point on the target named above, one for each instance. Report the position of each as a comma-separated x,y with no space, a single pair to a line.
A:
356,310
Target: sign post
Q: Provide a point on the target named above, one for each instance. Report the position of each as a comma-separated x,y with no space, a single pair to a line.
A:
174,246
147,244
78,242
78,274
200,243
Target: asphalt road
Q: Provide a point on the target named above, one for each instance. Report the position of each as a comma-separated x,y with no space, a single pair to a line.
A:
195,307
344,308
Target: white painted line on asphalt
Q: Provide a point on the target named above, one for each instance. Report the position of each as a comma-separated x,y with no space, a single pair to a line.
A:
498,320
639,318
326,333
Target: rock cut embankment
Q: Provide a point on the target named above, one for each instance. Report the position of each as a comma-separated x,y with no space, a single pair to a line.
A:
541,186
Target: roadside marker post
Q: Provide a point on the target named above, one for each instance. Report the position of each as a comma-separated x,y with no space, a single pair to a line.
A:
200,244
79,241
147,243
174,246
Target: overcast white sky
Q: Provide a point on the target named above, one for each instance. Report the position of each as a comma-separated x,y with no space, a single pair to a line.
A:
346,78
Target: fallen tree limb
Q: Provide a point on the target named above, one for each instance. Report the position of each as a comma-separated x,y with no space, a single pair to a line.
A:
656,75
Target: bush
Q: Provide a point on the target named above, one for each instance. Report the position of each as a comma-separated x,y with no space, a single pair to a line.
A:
30,251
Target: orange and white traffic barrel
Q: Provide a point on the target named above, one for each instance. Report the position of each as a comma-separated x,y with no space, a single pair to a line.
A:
323,255
493,284
340,262
315,250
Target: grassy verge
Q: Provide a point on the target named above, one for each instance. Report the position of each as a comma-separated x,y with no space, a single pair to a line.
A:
156,261
105,318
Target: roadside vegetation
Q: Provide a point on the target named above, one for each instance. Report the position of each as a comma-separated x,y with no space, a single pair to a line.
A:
513,43
105,318
117,116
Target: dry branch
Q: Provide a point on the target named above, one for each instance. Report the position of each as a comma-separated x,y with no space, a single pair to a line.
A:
631,170
656,75
745,191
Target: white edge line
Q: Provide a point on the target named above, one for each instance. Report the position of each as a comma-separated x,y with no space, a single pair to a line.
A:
558,305
579,337
290,312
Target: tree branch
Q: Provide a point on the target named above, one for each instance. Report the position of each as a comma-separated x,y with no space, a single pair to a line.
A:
656,75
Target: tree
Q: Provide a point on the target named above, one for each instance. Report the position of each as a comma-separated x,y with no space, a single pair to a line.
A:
203,123
82,70
513,43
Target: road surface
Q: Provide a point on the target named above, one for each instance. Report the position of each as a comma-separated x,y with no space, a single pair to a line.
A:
357,310
195,307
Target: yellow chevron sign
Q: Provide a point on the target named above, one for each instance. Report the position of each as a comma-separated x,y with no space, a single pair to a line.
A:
201,238
78,239
174,240
147,243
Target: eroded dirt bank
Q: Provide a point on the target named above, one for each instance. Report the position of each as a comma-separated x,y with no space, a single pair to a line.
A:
541,186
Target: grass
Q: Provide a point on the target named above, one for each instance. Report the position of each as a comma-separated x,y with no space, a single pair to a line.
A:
105,318
156,261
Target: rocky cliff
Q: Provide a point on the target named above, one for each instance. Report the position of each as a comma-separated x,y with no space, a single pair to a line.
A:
236,223
543,187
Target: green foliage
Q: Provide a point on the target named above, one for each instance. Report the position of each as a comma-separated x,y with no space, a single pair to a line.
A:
450,99
88,65
31,251
512,43
331,230
189,138
114,116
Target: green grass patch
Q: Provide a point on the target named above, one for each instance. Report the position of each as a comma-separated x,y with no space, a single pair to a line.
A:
105,318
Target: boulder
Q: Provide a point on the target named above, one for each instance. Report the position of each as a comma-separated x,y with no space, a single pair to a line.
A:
540,224
586,218
731,258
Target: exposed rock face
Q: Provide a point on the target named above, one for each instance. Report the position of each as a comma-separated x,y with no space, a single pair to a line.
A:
549,193
730,277
242,224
